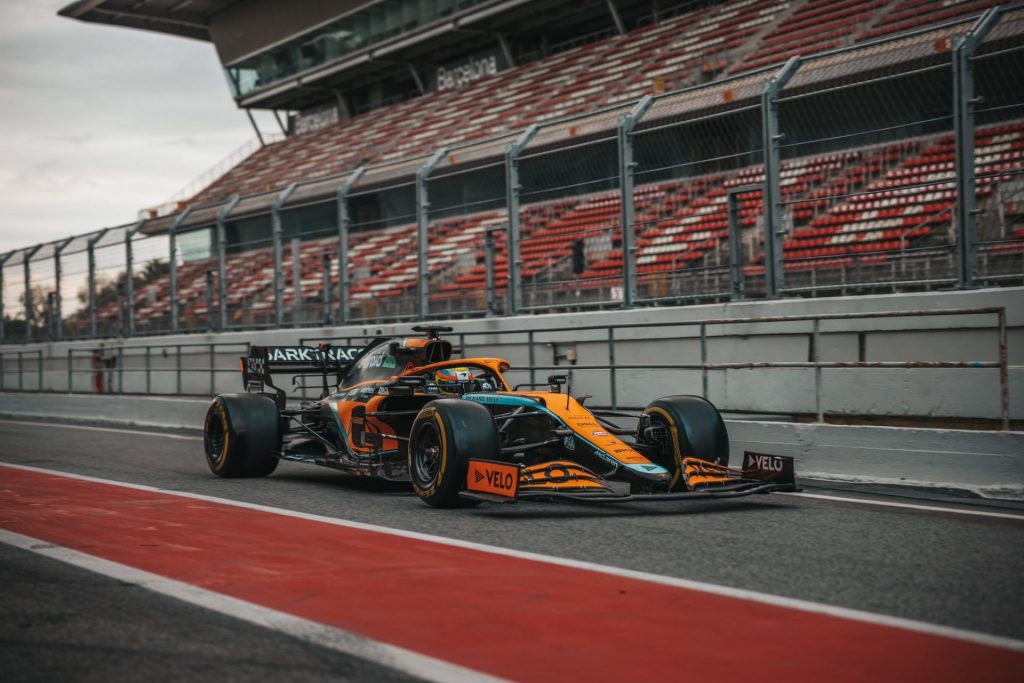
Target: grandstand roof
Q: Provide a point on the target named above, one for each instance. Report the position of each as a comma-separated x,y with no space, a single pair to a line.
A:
252,35
186,18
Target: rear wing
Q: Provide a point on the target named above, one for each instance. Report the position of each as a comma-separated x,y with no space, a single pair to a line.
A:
325,362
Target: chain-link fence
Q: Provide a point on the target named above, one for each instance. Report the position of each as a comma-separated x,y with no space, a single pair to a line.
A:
894,165
12,297
867,182
692,148
41,292
71,308
109,268
467,224
150,310
999,151
570,213
382,269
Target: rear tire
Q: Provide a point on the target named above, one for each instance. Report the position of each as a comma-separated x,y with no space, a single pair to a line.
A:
445,435
242,435
690,427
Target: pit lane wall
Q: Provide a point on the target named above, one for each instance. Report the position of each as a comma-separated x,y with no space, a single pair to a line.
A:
990,464
970,393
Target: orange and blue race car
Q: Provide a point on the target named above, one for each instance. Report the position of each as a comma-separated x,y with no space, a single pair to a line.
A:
403,409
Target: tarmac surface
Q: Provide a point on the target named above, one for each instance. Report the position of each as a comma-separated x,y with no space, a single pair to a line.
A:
875,552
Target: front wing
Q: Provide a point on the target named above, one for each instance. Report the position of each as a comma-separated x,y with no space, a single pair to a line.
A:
500,482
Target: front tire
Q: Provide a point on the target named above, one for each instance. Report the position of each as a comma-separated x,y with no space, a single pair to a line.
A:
242,435
685,427
445,435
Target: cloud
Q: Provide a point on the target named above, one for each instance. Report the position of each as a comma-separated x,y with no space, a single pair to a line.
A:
98,122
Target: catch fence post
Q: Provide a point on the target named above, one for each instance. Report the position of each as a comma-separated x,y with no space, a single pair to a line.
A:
325,268
296,280
29,314
209,300
129,273
276,232
422,219
222,255
512,191
3,260
91,256
489,259
964,104
627,167
56,317
344,223
612,389
774,276
172,235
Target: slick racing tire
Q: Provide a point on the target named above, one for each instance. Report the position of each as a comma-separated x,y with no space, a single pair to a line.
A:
445,435
683,427
242,435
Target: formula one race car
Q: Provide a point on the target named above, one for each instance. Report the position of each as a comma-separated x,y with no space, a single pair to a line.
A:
402,409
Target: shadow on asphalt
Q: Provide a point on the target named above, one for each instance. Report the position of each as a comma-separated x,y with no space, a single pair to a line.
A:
535,509
539,509
339,480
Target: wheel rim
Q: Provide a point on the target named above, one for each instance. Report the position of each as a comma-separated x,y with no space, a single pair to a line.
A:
215,441
427,454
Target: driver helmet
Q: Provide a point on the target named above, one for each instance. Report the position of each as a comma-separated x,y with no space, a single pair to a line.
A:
453,380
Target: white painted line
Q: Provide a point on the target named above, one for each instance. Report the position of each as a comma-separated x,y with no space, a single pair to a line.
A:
346,642
115,430
908,506
739,593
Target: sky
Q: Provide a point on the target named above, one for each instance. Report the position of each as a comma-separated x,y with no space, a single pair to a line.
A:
98,122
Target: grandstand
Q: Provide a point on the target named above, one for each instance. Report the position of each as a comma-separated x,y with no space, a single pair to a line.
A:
868,186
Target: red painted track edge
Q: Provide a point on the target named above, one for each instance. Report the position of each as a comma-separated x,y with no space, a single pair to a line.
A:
509,616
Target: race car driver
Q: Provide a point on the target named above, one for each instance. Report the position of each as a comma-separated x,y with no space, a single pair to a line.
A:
455,381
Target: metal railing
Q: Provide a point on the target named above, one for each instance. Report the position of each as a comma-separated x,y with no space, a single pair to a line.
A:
145,366
108,368
609,332
19,359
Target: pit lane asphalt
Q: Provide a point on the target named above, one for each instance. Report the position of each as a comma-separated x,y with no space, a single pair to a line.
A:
942,568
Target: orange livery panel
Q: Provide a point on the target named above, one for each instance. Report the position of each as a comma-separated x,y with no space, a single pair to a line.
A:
498,478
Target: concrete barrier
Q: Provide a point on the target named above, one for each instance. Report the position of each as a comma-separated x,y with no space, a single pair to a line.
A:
990,464
972,393
136,411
